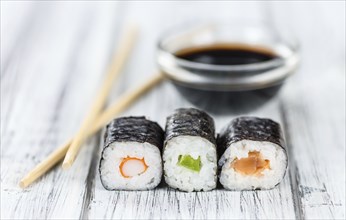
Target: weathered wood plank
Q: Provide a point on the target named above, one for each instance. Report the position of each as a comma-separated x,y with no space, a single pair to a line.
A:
15,28
318,150
313,108
44,103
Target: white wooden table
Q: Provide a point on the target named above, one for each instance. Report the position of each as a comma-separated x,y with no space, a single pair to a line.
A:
54,55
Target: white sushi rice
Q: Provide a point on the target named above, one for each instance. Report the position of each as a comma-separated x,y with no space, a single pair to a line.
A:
112,157
185,179
233,180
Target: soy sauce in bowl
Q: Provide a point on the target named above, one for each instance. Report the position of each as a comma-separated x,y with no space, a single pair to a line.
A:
226,54
223,69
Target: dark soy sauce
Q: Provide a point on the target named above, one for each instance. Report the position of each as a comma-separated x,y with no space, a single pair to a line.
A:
223,102
226,54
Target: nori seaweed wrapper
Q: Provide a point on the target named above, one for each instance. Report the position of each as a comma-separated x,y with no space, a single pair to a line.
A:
137,129
250,128
190,122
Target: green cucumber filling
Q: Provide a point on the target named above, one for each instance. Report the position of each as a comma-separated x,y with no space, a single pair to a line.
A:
188,162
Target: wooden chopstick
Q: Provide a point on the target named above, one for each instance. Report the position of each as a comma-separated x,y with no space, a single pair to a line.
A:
106,116
125,46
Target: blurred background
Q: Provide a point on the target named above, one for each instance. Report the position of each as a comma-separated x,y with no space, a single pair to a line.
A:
54,55
69,38
54,48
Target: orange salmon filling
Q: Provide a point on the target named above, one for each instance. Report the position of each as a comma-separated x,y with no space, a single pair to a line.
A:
254,164
132,166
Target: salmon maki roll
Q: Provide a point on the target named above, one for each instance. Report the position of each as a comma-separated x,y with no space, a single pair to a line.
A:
253,154
131,158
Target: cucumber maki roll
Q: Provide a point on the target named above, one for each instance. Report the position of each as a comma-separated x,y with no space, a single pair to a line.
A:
253,154
131,157
189,156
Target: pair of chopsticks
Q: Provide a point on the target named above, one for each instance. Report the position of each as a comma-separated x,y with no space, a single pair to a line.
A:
97,118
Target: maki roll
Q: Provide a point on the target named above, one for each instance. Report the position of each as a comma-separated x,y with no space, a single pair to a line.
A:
254,155
189,156
131,157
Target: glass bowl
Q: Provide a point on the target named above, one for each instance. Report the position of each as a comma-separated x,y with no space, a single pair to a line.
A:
207,85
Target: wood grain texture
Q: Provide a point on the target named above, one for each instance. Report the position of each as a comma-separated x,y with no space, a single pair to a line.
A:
53,56
313,106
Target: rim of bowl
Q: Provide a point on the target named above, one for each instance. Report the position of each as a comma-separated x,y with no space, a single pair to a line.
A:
293,47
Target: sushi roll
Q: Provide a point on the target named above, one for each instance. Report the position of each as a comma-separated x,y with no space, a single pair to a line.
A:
254,155
189,156
131,157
